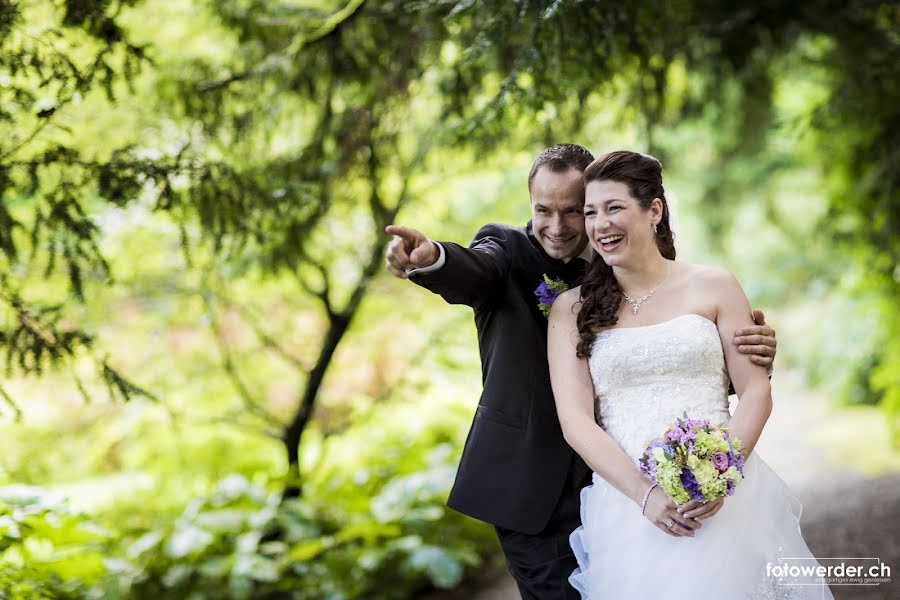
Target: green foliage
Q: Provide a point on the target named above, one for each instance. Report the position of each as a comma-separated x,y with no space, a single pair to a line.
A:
224,546
197,190
53,56
367,108
48,551
374,525
864,162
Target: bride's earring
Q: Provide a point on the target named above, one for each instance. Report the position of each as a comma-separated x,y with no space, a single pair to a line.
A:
655,230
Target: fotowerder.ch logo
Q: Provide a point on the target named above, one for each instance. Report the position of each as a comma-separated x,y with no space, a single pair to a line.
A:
830,570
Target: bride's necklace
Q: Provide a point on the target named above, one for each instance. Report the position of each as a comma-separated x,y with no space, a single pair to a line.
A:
636,302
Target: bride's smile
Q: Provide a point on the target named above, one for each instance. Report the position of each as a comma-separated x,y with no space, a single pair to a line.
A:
619,229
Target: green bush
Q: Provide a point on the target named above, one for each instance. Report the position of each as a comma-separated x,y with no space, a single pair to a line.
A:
49,551
371,523
242,543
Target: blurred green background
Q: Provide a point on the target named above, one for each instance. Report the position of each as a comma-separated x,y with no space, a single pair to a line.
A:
212,388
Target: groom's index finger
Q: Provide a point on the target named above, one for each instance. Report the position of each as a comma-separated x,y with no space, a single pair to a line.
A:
405,233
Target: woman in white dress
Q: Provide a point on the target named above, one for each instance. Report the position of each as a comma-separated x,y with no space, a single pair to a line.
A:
622,372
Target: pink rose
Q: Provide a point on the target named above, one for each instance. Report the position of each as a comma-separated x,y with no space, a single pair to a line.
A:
720,461
676,434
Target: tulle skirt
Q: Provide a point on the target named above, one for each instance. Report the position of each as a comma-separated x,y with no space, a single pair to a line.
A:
621,554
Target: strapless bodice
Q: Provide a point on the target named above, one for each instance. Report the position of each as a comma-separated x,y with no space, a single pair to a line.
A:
645,377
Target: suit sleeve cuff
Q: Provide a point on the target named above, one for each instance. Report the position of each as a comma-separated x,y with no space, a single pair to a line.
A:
437,264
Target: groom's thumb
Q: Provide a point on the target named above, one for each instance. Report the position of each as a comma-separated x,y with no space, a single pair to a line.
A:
423,255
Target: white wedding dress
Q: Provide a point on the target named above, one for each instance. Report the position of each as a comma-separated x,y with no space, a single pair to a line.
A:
645,377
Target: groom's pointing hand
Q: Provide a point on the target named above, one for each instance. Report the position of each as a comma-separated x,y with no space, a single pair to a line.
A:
409,249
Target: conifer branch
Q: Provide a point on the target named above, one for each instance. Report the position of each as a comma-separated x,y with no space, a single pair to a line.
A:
11,403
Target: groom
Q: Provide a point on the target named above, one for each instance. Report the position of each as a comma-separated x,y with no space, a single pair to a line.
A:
517,472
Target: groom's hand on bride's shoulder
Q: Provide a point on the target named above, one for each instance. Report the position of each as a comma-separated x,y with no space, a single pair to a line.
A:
410,249
758,341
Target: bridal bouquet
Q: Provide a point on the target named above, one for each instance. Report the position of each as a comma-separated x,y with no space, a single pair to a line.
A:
694,461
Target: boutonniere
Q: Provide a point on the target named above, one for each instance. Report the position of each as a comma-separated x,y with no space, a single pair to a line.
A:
548,291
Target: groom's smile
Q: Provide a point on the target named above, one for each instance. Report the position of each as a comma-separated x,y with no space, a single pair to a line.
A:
557,216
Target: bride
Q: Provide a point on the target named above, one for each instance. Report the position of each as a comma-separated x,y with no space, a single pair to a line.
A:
646,362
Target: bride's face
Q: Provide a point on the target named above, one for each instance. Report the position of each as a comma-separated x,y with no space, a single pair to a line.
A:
619,228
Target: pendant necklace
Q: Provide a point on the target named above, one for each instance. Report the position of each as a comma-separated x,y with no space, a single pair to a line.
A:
636,302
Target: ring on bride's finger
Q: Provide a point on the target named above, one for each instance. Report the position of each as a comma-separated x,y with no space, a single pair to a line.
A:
671,524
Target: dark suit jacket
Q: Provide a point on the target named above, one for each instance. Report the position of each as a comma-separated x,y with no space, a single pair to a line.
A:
515,461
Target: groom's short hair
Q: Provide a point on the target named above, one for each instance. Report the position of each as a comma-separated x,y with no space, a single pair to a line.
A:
561,157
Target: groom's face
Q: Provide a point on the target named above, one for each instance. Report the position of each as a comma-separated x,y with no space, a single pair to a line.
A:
557,212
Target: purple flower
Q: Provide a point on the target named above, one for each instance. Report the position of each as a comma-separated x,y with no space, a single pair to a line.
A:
690,484
658,443
729,487
720,461
546,294
697,423
676,434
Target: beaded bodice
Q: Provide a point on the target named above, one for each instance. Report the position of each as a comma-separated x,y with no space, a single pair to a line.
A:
645,377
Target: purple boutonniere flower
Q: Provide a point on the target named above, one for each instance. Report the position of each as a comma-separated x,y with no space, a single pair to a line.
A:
547,292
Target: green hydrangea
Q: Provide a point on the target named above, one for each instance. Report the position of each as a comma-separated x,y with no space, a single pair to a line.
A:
668,474
708,443
705,473
714,488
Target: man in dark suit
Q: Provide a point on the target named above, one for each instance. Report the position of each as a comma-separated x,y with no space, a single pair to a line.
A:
517,472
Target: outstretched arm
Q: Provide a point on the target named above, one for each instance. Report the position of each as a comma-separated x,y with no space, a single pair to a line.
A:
574,394
750,381
469,274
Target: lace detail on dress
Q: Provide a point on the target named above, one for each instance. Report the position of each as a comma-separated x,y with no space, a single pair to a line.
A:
645,377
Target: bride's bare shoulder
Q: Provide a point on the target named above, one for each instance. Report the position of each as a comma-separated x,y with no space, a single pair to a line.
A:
708,275
565,303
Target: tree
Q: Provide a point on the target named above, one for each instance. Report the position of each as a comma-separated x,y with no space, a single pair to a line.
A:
302,141
42,178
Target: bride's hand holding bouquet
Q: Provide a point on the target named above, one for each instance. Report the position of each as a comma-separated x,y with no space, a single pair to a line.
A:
696,465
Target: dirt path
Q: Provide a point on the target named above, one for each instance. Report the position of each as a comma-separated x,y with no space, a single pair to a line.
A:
846,513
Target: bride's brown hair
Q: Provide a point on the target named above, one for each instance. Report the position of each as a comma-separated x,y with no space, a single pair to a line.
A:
601,295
